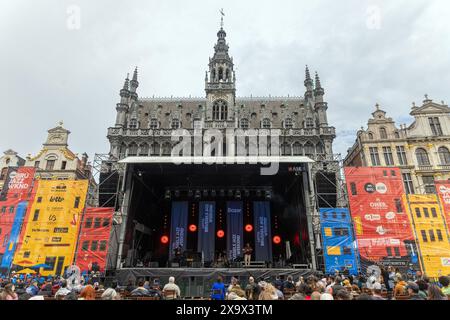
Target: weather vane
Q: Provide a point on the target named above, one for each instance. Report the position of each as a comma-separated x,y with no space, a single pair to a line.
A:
223,14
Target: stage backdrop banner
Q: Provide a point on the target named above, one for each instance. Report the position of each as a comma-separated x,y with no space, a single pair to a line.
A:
93,242
339,245
14,235
235,229
383,229
431,233
443,190
179,220
51,227
263,241
207,227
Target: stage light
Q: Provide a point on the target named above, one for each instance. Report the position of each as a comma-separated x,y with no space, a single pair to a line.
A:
213,193
249,228
268,195
247,193
177,193
164,239
192,228
258,193
198,194
222,193
205,193
230,193
277,240
238,195
168,195
220,234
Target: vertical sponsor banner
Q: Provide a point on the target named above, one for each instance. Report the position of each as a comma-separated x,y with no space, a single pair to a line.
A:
20,183
14,236
339,245
443,190
11,173
383,230
263,241
206,234
235,229
51,227
93,242
179,220
429,225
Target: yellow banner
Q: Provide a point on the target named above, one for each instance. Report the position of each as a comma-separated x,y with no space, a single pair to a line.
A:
431,233
50,230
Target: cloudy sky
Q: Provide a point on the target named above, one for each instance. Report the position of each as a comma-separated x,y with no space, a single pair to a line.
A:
366,51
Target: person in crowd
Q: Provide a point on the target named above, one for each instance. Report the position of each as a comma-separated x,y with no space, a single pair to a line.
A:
343,294
9,292
130,286
299,282
413,291
435,293
88,293
140,291
364,296
218,289
385,276
252,289
278,283
280,293
63,290
33,289
110,294
171,287
71,296
423,288
336,286
445,283
400,286
326,296
289,283
46,289
391,279
268,291
315,295
376,292
234,281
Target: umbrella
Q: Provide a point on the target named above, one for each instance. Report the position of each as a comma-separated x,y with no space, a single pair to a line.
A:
26,271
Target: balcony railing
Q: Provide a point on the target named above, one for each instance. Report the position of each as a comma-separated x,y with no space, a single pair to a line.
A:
425,168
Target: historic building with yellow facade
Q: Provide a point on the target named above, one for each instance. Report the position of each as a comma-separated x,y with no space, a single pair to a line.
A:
421,150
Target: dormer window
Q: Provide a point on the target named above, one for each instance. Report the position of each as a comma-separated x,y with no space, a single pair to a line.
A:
288,123
370,134
133,124
383,133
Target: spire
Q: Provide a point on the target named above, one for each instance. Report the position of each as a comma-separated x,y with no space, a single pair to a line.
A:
318,85
318,91
309,84
134,84
125,93
135,74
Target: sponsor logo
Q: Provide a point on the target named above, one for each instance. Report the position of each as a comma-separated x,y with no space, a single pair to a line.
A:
445,262
380,230
381,188
390,215
369,187
56,199
295,169
59,188
60,230
56,239
231,210
372,217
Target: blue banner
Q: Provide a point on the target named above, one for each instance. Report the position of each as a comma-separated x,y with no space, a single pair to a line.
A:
263,243
14,235
206,234
179,220
339,245
235,229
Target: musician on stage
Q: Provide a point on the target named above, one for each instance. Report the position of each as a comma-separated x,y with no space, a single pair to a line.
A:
247,254
178,252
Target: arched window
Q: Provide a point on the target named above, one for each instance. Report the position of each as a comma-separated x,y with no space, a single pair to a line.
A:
370,136
133,124
309,149
176,124
244,123
444,155
227,75
132,150
220,110
154,124
309,123
297,148
155,150
143,152
266,123
167,149
288,123
397,135
214,75
383,134
422,157
220,74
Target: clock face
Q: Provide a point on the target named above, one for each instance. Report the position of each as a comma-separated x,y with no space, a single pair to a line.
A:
56,138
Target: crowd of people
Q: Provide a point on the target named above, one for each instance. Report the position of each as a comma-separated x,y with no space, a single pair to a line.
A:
390,284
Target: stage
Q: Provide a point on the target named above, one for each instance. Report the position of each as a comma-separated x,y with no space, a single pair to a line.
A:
197,282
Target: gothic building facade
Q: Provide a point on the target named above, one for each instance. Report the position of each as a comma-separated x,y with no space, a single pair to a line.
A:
144,126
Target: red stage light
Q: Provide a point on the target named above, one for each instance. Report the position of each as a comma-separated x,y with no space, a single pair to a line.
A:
192,228
220,234
164,239
249,228
276,240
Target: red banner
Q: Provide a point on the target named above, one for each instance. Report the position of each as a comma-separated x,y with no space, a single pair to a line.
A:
94,239
18,183
443,190
382,227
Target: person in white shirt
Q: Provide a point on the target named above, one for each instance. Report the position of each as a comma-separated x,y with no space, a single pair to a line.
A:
171,286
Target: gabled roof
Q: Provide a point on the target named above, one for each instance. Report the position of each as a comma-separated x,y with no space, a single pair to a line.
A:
430,108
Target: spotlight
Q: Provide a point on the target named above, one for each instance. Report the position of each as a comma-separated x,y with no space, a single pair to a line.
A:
222,193
140,173
164,239
177,193
192,228
220,234
230,193
190,193
277,239
168,195
213,193
238,195
198,194
246,193
205,193
268,195
249,228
